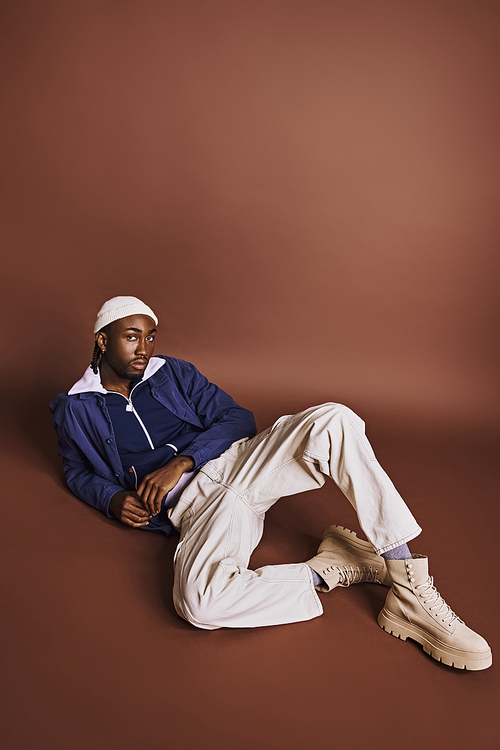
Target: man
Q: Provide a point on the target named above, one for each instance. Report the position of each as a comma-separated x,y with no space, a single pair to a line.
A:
150,441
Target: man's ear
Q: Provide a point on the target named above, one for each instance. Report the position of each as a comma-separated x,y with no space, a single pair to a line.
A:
101,341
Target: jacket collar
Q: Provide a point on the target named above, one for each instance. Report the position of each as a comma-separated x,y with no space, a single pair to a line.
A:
91,382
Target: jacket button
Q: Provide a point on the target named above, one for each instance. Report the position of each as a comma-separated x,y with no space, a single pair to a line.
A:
109,441
117,474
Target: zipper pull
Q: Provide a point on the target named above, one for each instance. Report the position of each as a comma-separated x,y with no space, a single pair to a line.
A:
129,407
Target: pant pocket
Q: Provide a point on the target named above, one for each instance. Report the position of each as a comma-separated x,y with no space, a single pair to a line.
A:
279,421
178,548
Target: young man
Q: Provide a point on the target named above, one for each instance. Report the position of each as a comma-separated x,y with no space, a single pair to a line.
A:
150,441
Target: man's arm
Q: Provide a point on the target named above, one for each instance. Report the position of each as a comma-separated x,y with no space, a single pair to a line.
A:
82,479
155,486
111,499
224,421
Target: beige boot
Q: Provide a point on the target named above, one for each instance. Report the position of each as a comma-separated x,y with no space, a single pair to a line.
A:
414,609
343,559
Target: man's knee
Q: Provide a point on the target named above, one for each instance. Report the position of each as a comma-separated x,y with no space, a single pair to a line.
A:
199,616
210,597
202,601
201,610
332,410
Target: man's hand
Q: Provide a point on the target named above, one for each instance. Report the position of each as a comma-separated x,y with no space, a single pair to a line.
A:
155,486
128,508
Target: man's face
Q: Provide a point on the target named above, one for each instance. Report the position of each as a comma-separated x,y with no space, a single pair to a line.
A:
128,345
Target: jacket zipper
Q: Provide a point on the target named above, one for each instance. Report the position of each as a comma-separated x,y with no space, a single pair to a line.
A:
132,469
130,407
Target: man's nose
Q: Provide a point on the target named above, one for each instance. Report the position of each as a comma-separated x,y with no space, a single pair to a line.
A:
141,346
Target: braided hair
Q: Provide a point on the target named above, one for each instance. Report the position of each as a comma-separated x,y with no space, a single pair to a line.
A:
96,355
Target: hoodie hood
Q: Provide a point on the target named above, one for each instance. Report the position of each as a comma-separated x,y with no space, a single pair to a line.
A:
91,382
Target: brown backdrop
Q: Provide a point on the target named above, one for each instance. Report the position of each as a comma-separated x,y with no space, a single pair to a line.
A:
306,193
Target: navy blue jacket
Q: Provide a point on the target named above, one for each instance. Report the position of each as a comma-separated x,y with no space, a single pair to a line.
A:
87,444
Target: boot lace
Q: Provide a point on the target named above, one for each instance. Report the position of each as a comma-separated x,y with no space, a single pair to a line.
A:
434,601
349,574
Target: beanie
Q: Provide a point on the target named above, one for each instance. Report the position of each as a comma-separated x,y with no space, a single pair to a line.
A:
121,307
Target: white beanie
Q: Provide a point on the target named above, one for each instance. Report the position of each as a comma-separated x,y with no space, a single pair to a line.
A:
121,307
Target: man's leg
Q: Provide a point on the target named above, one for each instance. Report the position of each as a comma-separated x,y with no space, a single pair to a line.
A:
213,586
300,451
222,511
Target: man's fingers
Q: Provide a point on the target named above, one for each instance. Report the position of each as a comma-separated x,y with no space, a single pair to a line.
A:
150,495
137,506
144,495
132,502
157,501
134,511
133,520
135,524
150,502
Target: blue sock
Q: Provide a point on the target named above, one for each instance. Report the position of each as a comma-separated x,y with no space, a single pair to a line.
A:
398,553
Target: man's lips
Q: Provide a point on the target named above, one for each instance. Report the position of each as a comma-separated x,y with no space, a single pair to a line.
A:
139,364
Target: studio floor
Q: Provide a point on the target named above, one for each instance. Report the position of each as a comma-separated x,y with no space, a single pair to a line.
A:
96,657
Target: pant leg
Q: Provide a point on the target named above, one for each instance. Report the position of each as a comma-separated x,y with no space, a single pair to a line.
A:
222,516
213,586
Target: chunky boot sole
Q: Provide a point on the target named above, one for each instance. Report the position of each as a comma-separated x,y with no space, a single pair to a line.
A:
440,651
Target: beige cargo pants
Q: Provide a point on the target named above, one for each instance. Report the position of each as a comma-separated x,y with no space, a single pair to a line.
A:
220,516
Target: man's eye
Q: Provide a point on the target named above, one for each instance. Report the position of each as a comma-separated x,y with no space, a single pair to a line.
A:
150,338
131,336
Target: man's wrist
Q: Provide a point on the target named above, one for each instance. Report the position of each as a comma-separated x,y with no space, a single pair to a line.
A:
186,462
113,503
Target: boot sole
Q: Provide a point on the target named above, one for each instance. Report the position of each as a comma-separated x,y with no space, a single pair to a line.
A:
440,651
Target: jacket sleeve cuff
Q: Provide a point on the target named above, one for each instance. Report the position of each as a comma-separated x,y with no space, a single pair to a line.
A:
197,457
107,500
